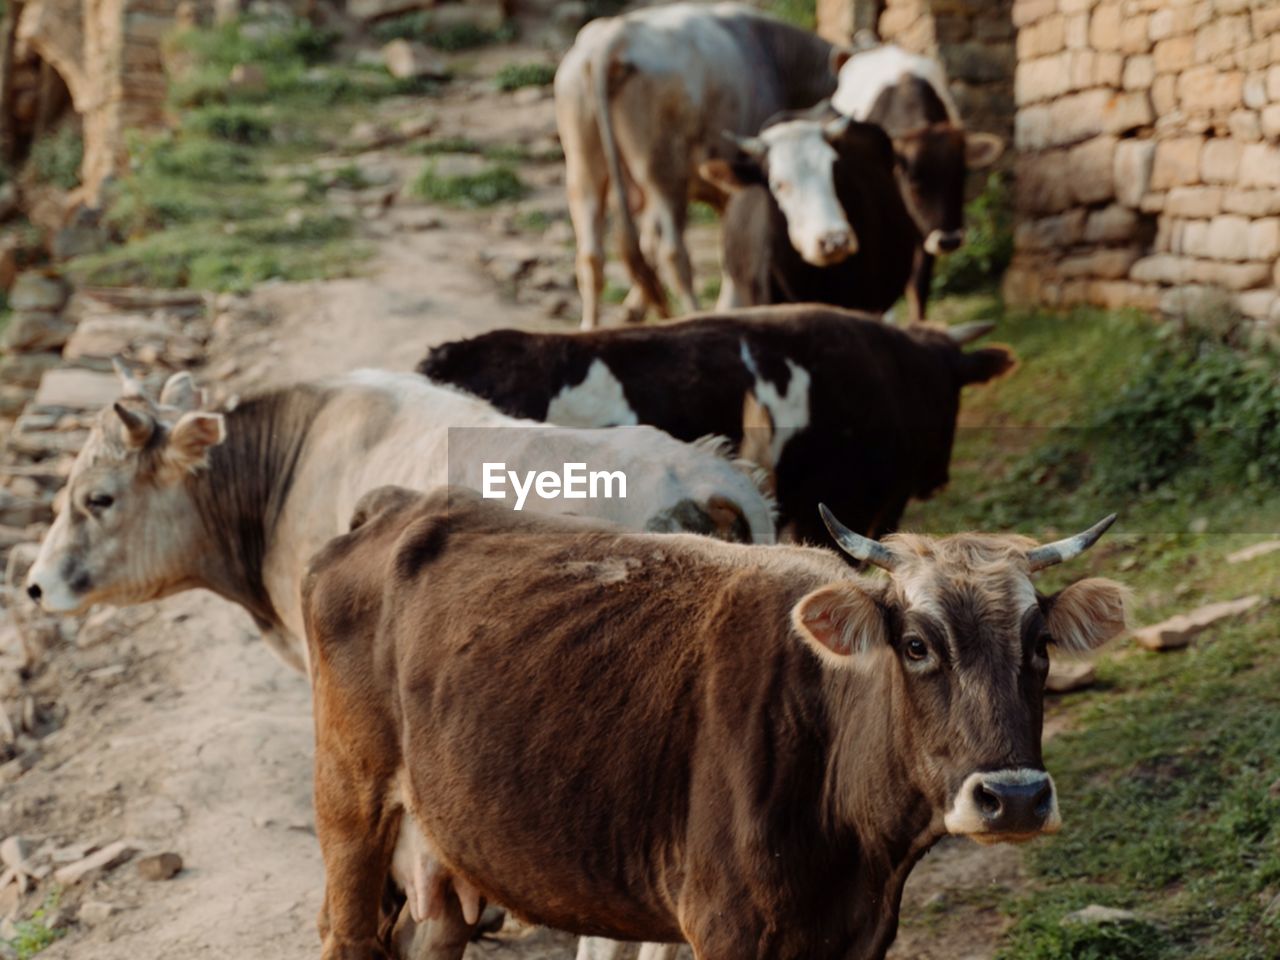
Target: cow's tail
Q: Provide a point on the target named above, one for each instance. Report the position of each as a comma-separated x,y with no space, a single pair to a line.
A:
641,270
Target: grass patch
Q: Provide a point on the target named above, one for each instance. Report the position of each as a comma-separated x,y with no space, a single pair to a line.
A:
503,153
34,934
55,159
516,75
799,13
497,184
702,213
235,124
421,25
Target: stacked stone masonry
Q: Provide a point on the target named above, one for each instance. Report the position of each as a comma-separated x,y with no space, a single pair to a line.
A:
1147,139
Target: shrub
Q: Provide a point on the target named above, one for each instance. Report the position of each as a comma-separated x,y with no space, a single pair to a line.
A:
34,935
452,37
516,75
55,159
234,124
497,184
988,245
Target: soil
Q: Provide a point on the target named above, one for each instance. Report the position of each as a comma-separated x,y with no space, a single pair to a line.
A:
181,732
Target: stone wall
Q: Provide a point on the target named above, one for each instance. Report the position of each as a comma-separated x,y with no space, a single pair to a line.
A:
1148,170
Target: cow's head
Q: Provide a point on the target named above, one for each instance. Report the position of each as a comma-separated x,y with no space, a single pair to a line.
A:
933,163
127,530
960,635
795,160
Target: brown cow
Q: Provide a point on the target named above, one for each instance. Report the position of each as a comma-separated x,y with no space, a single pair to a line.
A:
666,738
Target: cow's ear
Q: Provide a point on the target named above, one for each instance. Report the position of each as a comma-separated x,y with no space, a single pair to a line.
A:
987,364
731,175
1087,614
982,150
180,392
191,438
838,622
839,57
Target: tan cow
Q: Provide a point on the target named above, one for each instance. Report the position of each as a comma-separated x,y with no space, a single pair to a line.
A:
670,738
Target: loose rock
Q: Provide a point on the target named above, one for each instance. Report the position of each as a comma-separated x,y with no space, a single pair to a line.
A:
1253,552
37,291
77,389
160,866
407,60
108,857
94,912
1178,631
1067,675
1096,914
37,330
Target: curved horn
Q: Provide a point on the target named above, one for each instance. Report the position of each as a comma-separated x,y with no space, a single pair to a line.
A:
1068,549
751,146
833,130
129,386
138,427
856,545
963,333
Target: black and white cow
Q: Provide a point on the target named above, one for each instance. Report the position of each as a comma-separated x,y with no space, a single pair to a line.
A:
815,216
906,94
860,415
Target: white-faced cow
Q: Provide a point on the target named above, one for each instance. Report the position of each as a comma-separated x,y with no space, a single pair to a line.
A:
907,95
863,414
670,738
166,496
641,100
815,216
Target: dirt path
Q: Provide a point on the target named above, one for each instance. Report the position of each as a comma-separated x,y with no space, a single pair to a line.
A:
183,733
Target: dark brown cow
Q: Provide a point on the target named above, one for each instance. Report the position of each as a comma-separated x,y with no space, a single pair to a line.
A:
666,737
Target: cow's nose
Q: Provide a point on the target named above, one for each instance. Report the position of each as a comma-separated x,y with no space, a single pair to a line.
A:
1008,805
949,242
835,245
34,591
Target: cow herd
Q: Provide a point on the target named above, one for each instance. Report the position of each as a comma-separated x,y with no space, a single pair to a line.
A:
638,717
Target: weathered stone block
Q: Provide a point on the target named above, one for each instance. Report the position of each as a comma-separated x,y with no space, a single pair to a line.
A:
1205,89
1111,224
1197,202
1257,304
1113,294
1078,31
1134,34
1255,91
1091,170
1245,125
1174,54
1221,35
1030,11
1220,160
1195,238
1043,183
1229,237
1108,67
1046,37
1256,56
1273,83
1161,268
1177,162
1106,264
1133,165
1252,203
1264,239
1266,19
1079,116
1232,276
1164,95
1260,165
1041,79
1139,73
1104,27
1270,120
1051,233
1076,6
1031,128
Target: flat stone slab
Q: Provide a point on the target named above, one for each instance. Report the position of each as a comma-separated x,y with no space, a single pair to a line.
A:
77,389
1178,631
1254,552
1067,675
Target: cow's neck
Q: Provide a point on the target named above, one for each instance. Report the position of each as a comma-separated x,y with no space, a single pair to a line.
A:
870,794
241,494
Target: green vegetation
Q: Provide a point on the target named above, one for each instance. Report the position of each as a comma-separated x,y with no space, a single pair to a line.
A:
55,158
35,934
495,184
516,75
505,153
1169,774
801,13
451,37
988,245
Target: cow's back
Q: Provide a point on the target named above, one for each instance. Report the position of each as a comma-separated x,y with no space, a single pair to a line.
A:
641,660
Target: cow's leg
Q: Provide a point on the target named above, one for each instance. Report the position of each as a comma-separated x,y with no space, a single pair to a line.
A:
918,288
598,948
673,252
637,303
587,213
658,951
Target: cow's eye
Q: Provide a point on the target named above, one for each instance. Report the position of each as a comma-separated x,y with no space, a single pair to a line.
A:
99,501
1042,646
915,649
